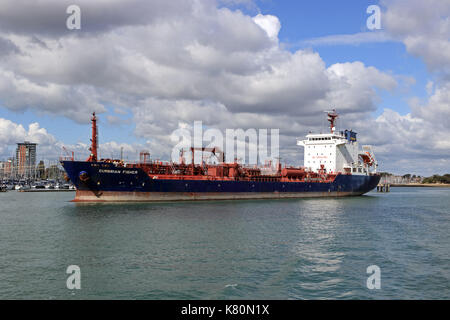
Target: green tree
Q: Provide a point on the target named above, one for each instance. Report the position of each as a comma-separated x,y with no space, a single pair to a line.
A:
437,179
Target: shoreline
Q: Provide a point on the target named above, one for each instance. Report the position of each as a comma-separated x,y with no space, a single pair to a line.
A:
45,190
428,185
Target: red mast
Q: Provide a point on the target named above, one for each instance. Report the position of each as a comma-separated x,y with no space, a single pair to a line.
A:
332,115
94,140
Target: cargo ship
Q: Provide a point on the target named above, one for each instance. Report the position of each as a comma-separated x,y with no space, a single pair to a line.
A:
334,166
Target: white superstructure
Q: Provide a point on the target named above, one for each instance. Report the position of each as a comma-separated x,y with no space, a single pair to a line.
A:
337,152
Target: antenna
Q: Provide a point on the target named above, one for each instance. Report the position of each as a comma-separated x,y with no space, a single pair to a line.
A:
332,115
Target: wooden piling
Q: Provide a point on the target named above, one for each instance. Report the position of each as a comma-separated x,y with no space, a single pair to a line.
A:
383,187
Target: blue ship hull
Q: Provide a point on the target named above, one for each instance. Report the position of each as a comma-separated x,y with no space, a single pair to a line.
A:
106,182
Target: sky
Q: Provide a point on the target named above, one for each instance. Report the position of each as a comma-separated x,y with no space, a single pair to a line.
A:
151,67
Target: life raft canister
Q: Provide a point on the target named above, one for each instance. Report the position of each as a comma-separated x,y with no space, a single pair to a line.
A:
83,176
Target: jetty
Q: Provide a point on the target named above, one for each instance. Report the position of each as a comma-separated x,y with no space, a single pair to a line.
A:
383,187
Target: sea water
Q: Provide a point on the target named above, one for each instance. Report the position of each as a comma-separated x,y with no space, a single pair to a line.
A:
263,249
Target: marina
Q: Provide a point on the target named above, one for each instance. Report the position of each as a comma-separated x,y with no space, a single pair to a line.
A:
35,186
47,190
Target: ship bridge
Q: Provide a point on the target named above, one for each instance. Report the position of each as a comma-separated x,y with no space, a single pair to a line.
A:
337,152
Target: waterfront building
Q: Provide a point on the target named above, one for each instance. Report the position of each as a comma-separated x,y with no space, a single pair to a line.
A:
6,168
26,159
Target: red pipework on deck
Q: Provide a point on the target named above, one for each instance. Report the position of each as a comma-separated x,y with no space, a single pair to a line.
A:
221,172
94,140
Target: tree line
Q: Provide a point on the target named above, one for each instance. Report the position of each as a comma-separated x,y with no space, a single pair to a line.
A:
413,178
438,179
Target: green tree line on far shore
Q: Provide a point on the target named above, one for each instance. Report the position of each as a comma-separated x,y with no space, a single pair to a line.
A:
438,179
433,179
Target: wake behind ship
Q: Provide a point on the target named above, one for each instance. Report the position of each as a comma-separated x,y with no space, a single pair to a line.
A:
334,166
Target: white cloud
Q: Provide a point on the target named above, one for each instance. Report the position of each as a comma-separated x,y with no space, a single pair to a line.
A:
424,28
270,24
171,62
50,148
11,133
416,142
48,17
211,55
20,93
348,39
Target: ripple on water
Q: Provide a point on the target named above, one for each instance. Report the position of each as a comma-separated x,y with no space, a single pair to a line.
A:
287,249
